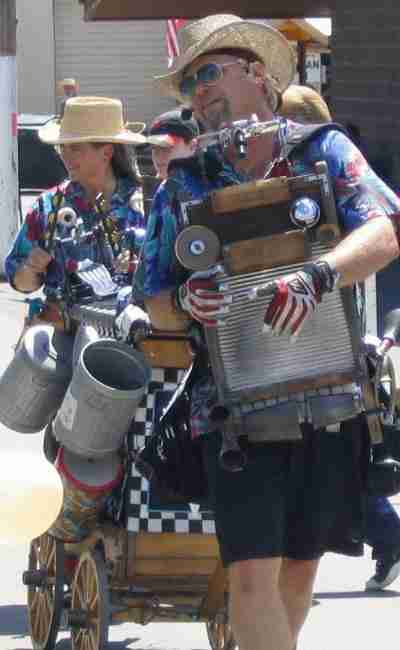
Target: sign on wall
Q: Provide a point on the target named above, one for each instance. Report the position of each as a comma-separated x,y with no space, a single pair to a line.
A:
313,69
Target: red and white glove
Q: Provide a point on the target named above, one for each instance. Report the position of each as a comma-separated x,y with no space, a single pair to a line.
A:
296,297
202,298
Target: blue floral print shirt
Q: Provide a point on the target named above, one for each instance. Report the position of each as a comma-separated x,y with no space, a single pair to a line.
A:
123,215
360,195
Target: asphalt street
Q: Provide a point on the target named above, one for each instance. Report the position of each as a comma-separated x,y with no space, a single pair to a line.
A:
344,616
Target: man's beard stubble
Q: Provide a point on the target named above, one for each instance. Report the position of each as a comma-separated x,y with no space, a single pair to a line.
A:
218,113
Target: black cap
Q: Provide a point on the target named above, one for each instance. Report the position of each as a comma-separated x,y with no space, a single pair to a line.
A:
176,123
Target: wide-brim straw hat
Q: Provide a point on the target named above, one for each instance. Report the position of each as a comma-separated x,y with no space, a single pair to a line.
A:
92,119
226,31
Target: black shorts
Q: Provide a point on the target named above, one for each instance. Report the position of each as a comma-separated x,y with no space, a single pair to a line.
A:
293,499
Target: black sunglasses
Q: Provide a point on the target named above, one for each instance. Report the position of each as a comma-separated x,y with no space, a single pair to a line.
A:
208,74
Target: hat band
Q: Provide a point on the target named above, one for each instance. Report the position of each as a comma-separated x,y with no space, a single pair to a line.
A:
90,134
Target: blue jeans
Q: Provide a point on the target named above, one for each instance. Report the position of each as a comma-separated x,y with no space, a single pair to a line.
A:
382,527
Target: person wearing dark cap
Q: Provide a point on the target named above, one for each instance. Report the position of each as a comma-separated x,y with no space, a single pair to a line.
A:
172,135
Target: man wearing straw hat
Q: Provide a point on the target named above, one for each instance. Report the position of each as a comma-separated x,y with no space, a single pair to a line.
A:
92,139
293,501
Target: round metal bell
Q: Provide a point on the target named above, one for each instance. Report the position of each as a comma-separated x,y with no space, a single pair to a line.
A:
305,212
197,248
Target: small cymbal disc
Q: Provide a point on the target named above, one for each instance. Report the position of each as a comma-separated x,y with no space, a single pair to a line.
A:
197,248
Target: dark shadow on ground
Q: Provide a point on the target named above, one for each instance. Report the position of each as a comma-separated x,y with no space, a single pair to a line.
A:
65,644
13,620
331,595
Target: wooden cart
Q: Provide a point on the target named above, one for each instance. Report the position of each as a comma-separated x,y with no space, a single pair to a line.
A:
119,576
131,572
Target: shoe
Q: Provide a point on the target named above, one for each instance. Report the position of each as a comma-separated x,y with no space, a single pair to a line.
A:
386,571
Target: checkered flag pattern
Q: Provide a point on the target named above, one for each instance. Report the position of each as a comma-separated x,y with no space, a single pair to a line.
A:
141,515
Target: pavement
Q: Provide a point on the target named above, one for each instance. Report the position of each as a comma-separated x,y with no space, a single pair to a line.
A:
344,616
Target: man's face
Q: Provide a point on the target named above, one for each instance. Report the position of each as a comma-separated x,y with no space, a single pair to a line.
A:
162,156
233,96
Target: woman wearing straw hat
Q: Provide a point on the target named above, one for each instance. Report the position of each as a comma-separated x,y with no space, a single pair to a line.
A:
92,139
294,500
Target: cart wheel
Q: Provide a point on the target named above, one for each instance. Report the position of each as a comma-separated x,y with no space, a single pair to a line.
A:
220,633
45,582
90,604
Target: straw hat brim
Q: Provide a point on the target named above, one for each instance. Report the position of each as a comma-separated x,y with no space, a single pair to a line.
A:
267,43
51,134
162,140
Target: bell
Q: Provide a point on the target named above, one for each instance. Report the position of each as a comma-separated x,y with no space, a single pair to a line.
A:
31,496
305,212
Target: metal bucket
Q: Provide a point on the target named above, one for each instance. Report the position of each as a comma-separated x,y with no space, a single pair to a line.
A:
34,384
87,486
106,388
85,334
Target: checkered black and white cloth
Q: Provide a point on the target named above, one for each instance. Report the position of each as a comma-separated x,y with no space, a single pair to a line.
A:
143,515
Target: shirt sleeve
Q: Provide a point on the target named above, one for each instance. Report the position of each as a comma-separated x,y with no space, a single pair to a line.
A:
157,269
360,194
29,235
136,219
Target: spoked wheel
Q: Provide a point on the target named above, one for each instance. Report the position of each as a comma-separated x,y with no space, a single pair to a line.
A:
45,582
90,604
220,633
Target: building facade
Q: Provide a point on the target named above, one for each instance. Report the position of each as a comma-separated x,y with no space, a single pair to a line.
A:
115,58
111,58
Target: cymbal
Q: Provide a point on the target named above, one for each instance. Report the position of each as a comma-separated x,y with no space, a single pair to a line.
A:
197,248
31,496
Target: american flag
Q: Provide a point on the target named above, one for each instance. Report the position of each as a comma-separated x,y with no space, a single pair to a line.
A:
173,24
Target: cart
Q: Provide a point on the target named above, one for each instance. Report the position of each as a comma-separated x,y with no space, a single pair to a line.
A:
162,564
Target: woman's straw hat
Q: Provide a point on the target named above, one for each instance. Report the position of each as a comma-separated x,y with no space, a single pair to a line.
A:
92,119
225,31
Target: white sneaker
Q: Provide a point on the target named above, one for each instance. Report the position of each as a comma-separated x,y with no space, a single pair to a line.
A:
386,572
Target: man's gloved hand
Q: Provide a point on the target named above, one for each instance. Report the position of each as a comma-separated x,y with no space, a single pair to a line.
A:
296,297
132,325
201,297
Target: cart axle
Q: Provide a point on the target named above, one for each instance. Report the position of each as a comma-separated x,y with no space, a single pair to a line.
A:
78,619
35,578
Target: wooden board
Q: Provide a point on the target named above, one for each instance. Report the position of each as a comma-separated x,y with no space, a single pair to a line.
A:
250,195
175,567
167,353
164,315
171,554
252,222
175,545
266,252
163,9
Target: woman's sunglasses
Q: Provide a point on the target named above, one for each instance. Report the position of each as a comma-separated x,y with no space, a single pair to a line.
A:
208,74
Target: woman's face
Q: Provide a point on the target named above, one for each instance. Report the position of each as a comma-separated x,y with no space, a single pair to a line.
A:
86,162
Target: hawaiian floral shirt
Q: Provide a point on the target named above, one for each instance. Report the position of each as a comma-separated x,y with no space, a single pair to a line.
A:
360,195
123,215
